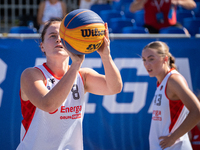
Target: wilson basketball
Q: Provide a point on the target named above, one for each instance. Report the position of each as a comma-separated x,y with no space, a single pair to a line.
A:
82,31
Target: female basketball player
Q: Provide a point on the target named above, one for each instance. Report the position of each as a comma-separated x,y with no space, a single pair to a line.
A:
52,94
176,110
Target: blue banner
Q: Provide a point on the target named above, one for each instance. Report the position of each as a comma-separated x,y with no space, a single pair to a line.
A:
115,122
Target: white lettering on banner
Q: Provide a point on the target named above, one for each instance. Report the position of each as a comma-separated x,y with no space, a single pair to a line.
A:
138,88
183,67
2,77
138,100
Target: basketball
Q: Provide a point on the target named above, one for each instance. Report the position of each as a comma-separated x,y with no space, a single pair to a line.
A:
82,31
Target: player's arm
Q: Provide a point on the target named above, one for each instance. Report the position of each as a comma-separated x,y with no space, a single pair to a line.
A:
111,82
40,12
180,89
99,84
137,5
33,88
187,4
64,8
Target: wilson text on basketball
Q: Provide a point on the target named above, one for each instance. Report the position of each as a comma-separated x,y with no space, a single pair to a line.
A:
92,32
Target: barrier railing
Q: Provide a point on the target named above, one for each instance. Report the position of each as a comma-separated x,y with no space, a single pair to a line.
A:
112,36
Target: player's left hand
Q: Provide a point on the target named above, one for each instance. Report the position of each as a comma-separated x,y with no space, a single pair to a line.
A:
166,141
105,47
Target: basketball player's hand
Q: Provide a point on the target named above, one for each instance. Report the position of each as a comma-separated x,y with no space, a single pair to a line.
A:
166,141
105,47
78,59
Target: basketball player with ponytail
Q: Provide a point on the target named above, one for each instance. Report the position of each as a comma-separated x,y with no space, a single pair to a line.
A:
176,110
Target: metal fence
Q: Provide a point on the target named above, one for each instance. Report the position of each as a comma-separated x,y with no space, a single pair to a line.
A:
16,12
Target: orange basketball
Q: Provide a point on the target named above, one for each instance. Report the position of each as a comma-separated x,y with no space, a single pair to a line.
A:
82,31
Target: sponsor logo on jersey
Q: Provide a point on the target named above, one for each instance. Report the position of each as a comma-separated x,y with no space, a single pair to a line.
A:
75,109
52,80
157,115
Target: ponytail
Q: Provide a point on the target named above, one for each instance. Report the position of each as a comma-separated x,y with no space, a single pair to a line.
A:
172,62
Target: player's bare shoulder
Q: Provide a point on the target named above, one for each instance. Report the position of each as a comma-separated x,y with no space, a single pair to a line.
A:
32,73
86,71
177,79
176,84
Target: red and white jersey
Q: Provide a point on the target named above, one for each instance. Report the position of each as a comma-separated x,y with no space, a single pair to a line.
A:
153,7
195,138
167,116
58,130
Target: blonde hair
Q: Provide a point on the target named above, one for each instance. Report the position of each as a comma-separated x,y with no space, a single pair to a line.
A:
163,50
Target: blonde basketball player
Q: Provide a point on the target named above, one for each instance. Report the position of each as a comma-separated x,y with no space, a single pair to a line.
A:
176,110
52,94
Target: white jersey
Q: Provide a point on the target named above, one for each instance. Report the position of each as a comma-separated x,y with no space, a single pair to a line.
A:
167,116
58,130
51,11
